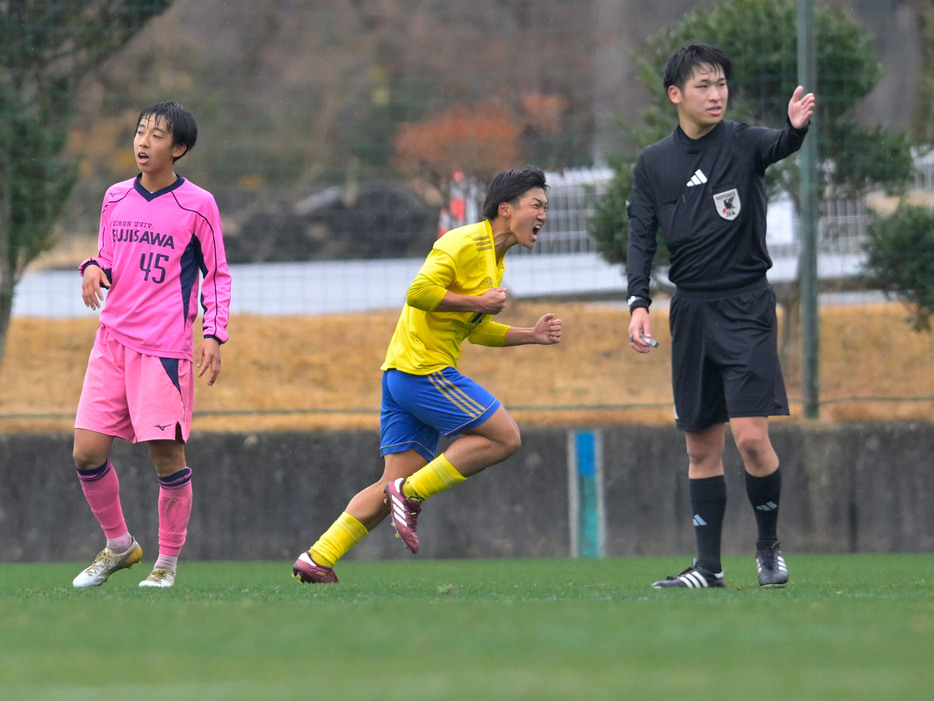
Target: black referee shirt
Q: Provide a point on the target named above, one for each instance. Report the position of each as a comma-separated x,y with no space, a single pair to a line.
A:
708,198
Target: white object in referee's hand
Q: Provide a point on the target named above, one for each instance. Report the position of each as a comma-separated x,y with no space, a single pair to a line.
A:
650,341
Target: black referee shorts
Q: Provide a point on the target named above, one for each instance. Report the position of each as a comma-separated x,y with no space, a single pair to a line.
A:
724,356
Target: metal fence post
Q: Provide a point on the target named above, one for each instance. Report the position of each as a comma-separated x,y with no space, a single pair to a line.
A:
807,263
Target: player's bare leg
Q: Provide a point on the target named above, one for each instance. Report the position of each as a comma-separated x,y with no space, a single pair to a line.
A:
91,449
490,443
369,506
705,451
751,435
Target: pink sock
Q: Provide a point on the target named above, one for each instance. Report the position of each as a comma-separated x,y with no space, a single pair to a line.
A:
167,562
121,543
102,490
174,511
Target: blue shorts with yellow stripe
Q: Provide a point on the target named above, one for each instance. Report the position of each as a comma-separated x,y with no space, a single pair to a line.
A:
418,409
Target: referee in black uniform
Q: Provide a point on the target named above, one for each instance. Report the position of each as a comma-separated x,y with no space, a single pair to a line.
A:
704,187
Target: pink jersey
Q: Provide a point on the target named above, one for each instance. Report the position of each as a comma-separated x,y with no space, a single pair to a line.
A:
152,247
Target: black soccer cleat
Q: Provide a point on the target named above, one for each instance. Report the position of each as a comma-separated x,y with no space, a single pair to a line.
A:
693,577
771,565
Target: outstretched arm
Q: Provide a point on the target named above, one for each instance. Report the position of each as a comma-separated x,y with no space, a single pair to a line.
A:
800,108
546,332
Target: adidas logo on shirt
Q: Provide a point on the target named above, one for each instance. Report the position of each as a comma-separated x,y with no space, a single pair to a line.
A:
698,178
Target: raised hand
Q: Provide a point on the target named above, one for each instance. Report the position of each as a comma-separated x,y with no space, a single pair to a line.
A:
800,108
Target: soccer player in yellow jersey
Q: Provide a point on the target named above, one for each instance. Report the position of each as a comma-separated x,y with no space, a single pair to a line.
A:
453,298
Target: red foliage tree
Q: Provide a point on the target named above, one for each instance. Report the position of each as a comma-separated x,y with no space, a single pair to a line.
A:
477,141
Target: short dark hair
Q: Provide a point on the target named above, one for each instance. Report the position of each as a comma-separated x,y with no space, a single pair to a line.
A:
509,186
681,63
179,121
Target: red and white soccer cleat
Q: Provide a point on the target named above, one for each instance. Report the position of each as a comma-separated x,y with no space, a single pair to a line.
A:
404,513
310,572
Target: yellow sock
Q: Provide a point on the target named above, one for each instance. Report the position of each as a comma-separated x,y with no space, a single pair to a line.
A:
436,476
334,543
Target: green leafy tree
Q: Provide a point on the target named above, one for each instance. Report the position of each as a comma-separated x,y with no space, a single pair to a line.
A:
46,49
760,36
900,259
900,245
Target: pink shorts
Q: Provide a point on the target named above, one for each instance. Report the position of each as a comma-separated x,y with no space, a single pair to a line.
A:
133,396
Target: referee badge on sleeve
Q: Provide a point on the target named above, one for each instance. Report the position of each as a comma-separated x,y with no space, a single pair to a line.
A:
728,204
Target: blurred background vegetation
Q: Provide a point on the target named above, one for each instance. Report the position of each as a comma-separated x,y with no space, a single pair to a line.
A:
343,131
294,96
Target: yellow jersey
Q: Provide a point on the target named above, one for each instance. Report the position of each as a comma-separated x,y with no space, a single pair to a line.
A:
463,261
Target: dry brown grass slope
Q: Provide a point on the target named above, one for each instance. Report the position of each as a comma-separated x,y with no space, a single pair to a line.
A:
323,372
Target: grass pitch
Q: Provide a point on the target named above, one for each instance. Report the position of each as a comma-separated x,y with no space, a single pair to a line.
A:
847,627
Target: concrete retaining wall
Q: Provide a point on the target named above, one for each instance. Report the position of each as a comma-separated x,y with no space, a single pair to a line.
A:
847,488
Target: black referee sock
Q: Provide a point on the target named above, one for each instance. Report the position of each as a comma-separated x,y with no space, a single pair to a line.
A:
764,495
708,500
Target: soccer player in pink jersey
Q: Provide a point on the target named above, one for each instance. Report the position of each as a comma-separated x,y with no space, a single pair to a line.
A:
158,233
